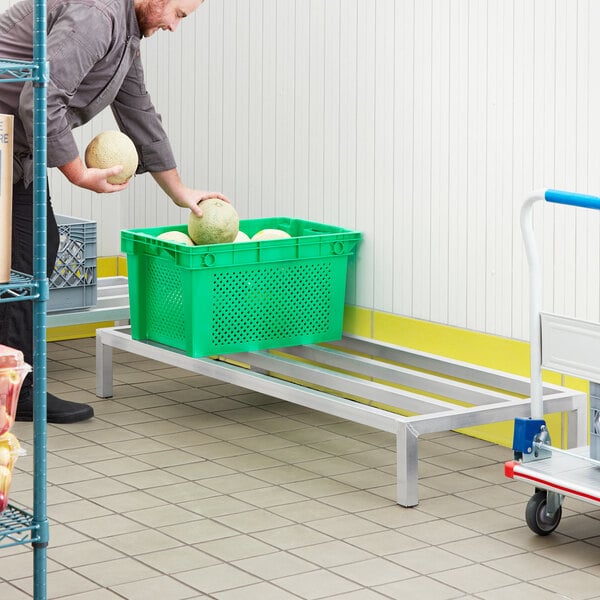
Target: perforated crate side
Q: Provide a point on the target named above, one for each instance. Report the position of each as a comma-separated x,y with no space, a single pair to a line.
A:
73,283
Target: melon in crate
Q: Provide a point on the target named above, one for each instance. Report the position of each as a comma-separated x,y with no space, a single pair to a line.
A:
218,224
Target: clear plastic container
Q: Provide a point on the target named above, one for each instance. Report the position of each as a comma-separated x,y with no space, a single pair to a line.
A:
10,450
13,370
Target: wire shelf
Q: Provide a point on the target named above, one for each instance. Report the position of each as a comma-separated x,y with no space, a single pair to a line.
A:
16,527
20,287
17,70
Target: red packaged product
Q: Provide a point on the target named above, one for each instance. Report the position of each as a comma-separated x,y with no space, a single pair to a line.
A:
13,370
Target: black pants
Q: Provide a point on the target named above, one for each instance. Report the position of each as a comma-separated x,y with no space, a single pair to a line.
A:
16,318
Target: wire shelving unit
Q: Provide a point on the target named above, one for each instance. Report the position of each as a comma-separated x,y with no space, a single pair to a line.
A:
18,525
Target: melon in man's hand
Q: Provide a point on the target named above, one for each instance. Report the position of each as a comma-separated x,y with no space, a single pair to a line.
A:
111,148
218,224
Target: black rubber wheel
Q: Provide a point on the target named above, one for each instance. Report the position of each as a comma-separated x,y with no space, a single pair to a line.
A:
536,517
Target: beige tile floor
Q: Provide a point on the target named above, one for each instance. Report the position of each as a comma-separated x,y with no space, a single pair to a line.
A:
186,487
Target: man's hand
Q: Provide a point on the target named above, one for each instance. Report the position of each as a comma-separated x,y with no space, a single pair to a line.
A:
198,195
183,196
92,179
97,180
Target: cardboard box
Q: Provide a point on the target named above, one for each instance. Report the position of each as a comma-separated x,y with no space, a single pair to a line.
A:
6,182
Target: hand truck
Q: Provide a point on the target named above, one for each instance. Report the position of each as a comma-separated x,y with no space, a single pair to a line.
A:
569,346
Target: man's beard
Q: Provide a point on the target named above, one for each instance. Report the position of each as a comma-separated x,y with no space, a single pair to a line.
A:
148,14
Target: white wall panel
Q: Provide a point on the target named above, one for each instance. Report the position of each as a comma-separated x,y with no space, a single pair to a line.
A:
457,291
423,123
348,199
284,124
255,105
383,157
331,111
267,107
300,148
439,170
368,204
402,241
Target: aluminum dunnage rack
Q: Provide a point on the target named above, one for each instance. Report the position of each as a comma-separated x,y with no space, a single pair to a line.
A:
331,378
569,346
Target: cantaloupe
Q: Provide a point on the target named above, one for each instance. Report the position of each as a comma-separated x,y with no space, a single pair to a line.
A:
111,148
218,224
270,234
241,237
176,236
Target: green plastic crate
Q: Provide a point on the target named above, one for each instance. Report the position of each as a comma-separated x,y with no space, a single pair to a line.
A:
239,297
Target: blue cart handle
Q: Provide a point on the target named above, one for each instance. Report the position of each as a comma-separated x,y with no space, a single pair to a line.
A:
571,199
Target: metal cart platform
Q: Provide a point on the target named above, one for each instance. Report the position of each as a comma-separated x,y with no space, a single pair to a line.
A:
569,346
569,474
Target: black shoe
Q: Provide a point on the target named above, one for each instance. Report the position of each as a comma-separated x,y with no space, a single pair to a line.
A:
57,410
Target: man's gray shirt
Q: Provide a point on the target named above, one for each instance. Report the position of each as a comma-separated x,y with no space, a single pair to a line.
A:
94,58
